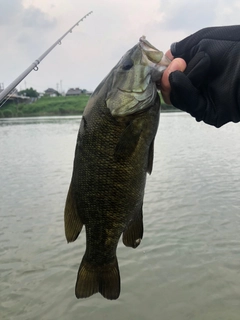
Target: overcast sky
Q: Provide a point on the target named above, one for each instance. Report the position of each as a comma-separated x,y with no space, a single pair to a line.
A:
29,27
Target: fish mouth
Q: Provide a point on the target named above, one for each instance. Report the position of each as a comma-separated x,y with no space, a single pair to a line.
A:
152,53
133,91
146,80
155,57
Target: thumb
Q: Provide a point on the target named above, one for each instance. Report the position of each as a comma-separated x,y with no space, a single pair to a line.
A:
165,87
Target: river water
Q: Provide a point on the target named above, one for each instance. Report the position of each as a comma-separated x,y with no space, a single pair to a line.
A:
188,264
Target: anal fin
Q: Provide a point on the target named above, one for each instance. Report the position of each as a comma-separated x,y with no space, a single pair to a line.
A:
132,236
72,222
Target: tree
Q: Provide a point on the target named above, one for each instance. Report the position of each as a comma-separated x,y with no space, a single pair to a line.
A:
29,93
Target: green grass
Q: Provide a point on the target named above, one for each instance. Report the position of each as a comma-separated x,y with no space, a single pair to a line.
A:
52,106
46,106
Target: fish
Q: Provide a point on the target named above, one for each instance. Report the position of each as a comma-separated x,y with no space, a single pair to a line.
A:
114,152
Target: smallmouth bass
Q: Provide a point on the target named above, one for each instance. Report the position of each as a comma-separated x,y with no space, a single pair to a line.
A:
113,154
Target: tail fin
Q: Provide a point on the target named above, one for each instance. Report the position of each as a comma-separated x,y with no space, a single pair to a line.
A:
92,279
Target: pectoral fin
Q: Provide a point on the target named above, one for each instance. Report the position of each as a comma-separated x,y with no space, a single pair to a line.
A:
128,141
72,221
150,157
132,236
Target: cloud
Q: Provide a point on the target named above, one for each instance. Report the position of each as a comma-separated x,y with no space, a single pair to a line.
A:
188,16
9,10
34,18
227,12
23,29
30,27
14,12
35,24
24,37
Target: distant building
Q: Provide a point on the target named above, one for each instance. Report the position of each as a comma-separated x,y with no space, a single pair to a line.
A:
51,92
74,92
88,93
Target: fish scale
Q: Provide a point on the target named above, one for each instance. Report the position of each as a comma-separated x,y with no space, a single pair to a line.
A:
113,154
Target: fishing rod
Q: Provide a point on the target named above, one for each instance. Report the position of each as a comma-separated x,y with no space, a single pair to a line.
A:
34,65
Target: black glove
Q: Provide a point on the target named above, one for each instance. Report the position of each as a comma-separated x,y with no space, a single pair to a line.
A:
209,88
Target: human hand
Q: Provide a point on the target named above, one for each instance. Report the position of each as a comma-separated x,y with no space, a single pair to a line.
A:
164,84
209,88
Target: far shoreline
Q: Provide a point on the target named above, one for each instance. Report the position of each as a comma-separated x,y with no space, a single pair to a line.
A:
56,106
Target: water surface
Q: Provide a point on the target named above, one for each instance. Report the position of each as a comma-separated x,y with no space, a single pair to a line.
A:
188,264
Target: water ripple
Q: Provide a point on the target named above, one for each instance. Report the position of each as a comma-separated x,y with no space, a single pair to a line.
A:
187,266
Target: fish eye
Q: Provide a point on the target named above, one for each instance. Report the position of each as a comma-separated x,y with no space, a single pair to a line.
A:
127,65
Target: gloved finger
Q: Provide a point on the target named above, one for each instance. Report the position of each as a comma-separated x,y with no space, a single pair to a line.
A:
183,94
189,46
186,97
184,87
198,68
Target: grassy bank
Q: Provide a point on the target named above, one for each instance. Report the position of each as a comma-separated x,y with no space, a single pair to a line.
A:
52,106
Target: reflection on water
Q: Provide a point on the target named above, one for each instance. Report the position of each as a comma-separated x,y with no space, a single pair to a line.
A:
187,266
